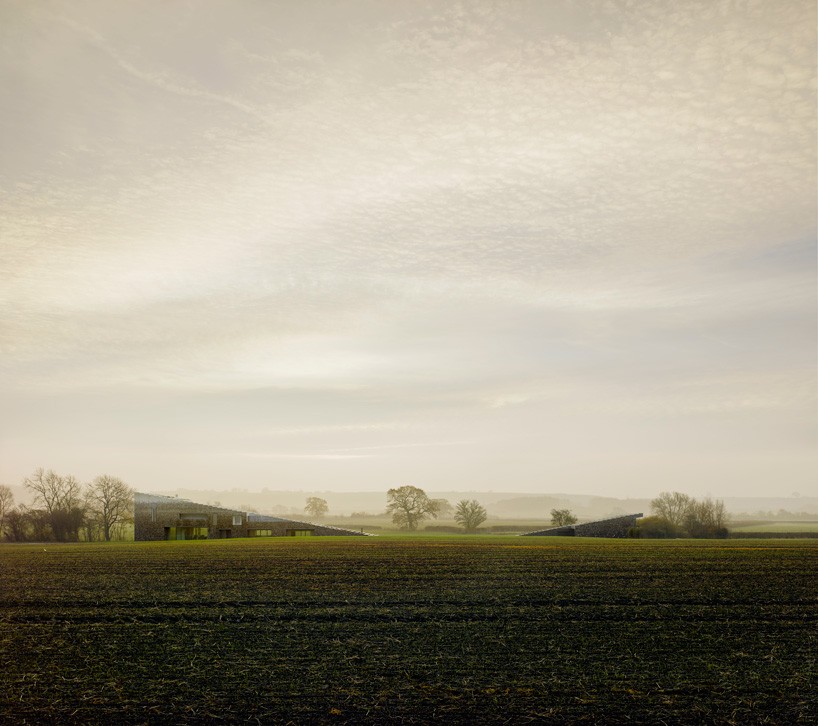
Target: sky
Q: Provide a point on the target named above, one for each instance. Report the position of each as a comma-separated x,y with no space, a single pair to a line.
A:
350,245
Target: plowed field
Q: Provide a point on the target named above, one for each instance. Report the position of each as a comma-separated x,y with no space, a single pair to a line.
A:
457,630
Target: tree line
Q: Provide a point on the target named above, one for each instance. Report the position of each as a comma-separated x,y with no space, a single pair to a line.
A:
410,506
63,509
674,514
406,504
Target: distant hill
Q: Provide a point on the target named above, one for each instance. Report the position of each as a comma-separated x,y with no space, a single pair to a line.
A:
584,506
506,505
771,505
509,505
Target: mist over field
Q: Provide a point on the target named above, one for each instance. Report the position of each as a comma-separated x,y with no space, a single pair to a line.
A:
505,505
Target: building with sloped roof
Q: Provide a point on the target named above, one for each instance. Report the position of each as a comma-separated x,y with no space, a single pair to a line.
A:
171,518
611,527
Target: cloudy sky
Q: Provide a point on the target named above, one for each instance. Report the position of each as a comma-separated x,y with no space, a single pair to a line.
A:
527,246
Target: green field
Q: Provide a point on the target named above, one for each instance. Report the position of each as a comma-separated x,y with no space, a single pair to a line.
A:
366,630
775,527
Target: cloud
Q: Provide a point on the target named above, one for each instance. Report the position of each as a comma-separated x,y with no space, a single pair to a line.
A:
157,79
342,428
317,456
487,209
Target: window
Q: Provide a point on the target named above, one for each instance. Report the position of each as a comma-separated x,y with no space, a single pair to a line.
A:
260,533
186,533
236,520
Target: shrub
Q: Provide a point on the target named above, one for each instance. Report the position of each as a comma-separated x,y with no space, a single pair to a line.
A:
655,528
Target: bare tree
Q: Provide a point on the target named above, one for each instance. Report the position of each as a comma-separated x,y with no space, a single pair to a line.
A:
470,514
316,507
719,514
37,525
52,491
409,506
110,503
6,503
562,517
61,500
686,516
17,525
672,506
444,507
706,518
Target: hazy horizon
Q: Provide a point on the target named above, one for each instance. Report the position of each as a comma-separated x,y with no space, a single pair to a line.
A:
345,246
528,506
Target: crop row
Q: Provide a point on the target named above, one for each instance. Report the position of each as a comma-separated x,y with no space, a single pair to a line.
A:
410,631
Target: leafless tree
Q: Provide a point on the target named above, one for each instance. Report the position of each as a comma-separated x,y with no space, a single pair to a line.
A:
6,503
706,518
470,514
110,503
61,500
686,516
444,507
17,525
672,506
52,491
38,525
316,507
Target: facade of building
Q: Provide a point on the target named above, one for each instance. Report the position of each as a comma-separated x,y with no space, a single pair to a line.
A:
613,527
170,518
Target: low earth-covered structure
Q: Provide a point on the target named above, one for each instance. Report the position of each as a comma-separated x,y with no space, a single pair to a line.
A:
611,527
157,517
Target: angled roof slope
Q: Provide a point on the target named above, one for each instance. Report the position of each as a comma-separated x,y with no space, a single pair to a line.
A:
610,527
149,525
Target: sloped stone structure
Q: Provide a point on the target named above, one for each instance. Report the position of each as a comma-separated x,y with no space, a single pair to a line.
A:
162,518
613,527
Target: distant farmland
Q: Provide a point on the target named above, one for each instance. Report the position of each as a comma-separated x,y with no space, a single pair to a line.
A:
479,630
776,527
